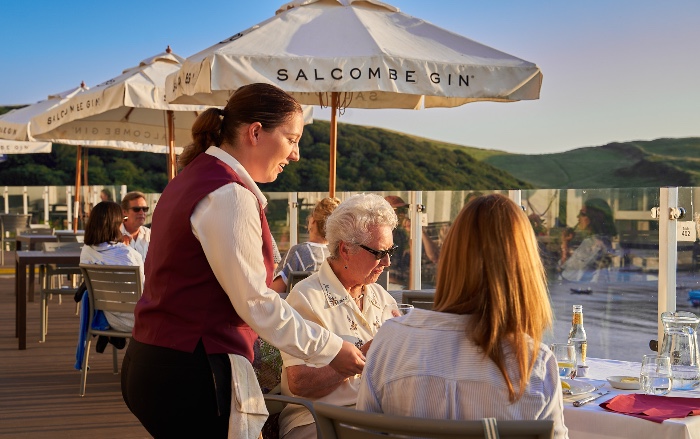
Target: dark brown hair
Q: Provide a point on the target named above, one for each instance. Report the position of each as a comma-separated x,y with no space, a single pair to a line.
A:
104,223
134,195
259,102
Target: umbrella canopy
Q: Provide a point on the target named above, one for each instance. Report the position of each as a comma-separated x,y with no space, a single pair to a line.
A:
354,54
19,147
130,107
16,126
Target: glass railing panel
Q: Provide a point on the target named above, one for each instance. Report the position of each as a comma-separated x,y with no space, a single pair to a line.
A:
688,266
600,250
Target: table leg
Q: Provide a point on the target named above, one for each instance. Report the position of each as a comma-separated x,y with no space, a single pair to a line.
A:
21,305
30,290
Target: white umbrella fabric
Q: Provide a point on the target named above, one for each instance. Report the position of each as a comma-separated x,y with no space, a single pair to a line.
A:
130,108
17,126
20,147
354,54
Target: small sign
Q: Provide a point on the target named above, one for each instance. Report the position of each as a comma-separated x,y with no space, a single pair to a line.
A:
686,231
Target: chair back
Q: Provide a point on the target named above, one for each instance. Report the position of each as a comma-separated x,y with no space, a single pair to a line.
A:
295,277
336,422
113,288
61,246
13,221
34,230
419,298
70,238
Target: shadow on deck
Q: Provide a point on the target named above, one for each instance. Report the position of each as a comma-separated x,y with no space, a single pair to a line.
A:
39,386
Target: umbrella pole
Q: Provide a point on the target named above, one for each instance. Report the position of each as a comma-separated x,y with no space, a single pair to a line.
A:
333,141
78,171
172,168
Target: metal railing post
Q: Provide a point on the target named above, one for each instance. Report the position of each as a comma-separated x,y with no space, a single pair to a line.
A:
668,253
416,212
293,218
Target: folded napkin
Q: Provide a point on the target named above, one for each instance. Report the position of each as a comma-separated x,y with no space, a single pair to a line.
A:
652,407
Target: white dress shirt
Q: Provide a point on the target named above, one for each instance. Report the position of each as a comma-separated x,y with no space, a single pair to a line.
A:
114,254
140,244
227,224
424,365
322,299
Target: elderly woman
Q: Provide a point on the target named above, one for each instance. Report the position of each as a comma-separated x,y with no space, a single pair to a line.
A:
343,298
478,353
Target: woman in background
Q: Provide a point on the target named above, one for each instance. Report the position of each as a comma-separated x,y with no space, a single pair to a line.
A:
307,256
478,354
104,246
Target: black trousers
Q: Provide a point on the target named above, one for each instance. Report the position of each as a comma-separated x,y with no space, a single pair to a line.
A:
177,394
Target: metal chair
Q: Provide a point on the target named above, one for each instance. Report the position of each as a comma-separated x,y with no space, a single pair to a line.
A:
336,422
9,223
296,276
35,229
419,298
111,288
275,403
52,276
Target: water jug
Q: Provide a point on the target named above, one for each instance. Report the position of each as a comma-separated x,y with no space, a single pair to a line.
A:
680,343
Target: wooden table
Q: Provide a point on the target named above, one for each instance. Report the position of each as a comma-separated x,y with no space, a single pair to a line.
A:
32,241
594,422
23,259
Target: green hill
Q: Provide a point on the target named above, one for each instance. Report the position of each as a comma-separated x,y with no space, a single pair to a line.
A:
661,162
369,159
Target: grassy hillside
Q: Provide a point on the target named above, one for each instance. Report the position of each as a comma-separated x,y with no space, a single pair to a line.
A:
661,162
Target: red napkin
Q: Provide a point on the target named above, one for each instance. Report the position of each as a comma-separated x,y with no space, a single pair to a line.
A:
652,407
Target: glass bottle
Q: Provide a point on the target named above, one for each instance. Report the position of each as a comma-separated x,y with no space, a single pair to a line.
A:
577,335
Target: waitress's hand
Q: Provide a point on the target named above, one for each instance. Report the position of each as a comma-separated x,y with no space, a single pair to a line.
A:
349,360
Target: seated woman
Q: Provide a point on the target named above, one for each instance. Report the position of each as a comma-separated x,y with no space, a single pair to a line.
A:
343,298
479,353
104,246
307,256
596,228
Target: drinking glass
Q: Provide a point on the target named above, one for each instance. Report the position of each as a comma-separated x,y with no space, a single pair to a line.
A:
655,376
397,309
565,353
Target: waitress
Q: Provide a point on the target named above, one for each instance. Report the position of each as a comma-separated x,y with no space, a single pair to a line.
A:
210,260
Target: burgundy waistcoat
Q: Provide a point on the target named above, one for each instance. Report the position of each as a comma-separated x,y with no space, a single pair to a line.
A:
182,301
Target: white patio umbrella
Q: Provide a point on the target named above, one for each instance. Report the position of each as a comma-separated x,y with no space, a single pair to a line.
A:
16,126
354,54
20,147
130,107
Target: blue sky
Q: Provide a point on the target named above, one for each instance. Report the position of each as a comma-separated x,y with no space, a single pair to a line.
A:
614,70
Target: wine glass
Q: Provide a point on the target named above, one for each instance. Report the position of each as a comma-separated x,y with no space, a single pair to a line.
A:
655,375
397,309
565,353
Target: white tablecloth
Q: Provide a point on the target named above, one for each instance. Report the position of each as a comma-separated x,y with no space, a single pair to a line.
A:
593,422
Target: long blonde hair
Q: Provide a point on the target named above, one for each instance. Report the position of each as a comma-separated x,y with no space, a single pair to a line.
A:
490,268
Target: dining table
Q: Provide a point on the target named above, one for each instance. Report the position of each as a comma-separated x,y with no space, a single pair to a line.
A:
31,241
591,421
29,258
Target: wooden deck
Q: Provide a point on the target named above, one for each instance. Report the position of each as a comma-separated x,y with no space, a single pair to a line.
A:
39,386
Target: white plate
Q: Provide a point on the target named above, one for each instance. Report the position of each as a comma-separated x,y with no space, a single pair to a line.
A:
616,382
577,387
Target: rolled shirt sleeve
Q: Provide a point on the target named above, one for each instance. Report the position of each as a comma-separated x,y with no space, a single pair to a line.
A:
227,224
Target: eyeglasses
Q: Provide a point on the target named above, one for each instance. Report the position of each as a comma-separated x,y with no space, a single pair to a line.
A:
379,254
139,208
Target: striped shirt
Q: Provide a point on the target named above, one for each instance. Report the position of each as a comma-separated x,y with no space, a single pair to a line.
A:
307,256
423,365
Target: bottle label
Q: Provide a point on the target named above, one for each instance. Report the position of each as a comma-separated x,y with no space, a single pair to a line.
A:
584,348
577,319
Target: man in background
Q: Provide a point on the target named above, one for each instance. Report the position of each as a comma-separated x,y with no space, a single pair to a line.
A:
136,235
